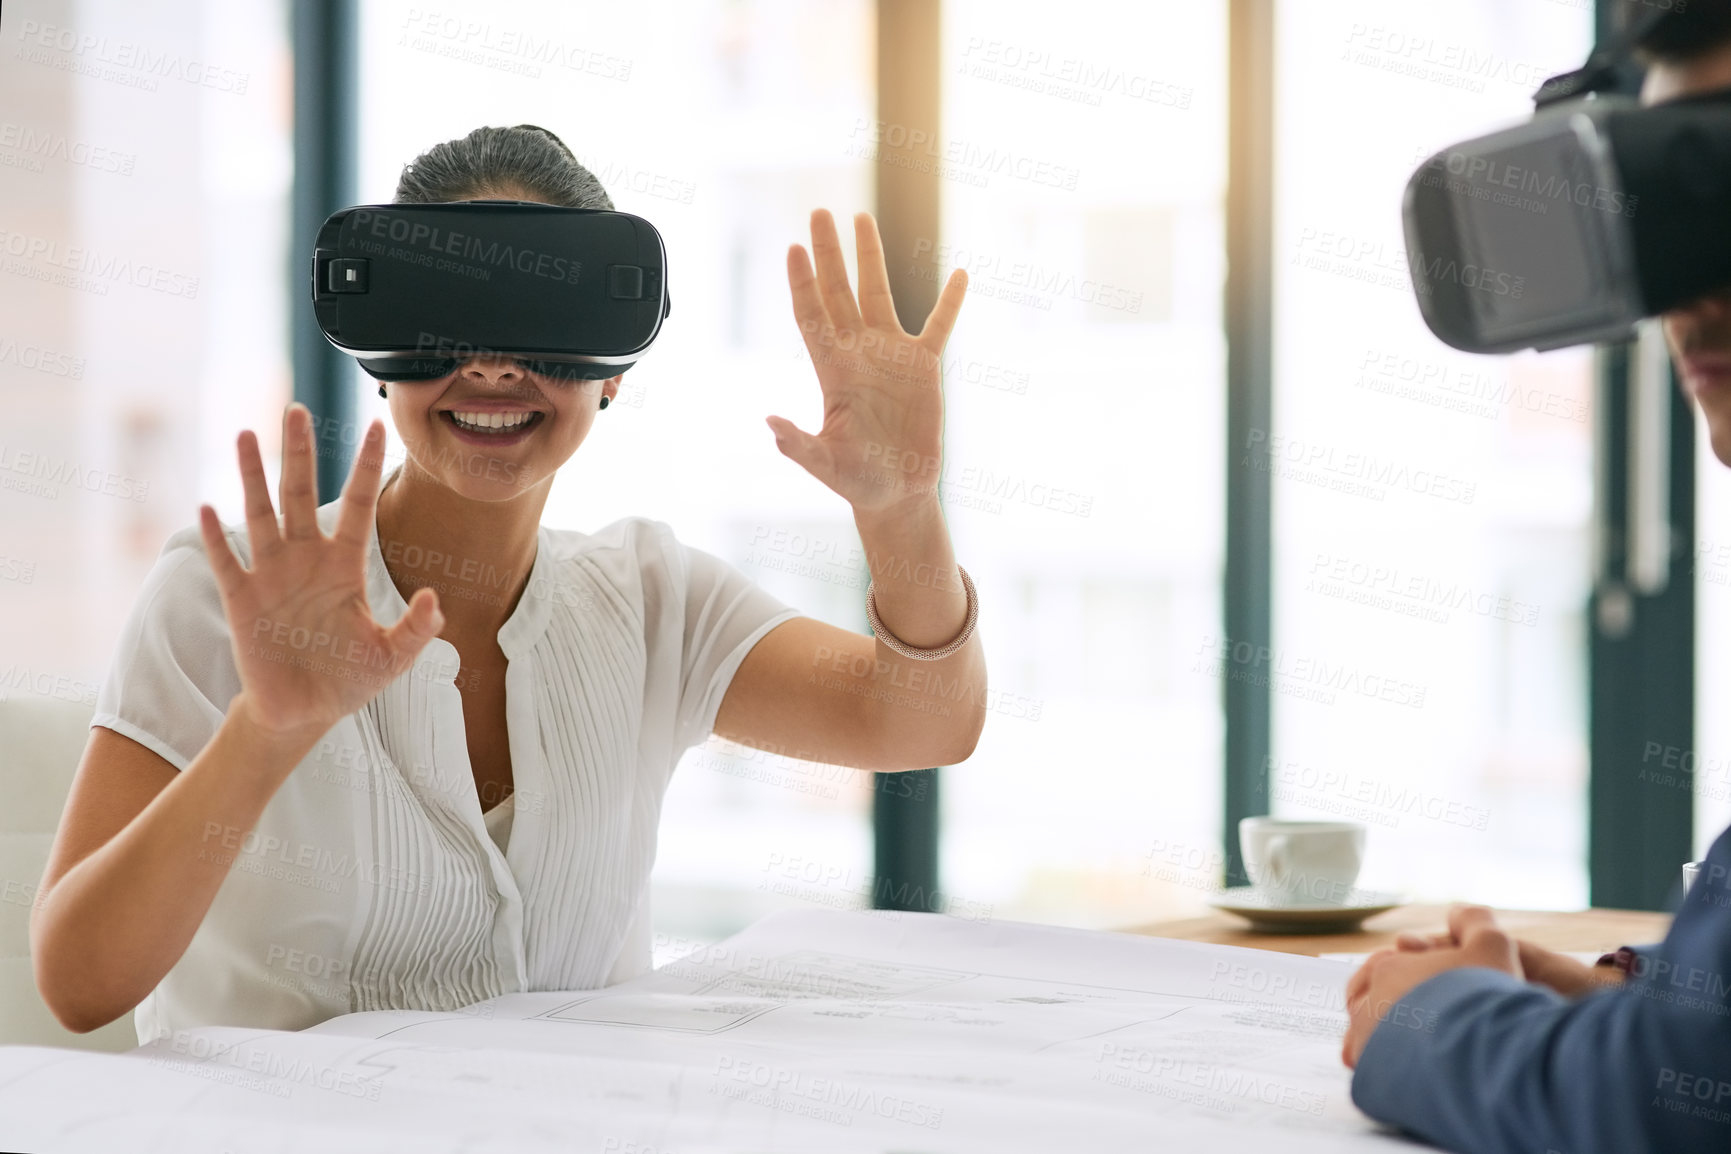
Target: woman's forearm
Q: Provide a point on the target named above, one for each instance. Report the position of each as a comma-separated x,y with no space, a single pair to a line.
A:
115,923
939,706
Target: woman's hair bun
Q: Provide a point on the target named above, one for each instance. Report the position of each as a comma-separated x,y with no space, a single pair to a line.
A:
502,162
549,135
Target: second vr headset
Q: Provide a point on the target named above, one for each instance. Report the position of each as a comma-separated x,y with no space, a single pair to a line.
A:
411,290
1572,227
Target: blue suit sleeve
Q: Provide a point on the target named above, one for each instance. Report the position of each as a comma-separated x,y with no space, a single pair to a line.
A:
1475,1060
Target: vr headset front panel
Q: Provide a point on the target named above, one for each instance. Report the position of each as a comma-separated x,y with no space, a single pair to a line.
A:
410,288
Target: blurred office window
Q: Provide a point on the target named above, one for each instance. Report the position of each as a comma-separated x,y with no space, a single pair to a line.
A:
1084,161
144,181
1432,508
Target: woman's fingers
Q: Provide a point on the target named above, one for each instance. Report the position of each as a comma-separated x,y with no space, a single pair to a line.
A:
808,310
803,449
261,524
298,488
417,626
877,306
223,563
824,304
356,515
942,318
832,272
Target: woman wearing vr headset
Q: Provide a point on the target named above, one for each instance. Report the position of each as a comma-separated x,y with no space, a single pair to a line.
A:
1479,1042
408,749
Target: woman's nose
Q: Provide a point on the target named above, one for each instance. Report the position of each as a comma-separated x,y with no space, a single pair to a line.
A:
492,369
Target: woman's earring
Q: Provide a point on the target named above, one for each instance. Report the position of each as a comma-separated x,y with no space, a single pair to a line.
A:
603,402
382,389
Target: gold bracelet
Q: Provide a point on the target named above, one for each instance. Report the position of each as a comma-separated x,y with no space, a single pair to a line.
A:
907,650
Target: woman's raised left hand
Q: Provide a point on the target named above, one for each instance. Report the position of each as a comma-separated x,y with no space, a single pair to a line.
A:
881,444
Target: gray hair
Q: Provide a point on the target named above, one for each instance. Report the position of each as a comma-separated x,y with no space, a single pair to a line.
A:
502,163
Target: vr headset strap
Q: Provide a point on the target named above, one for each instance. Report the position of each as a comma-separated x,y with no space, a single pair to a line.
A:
1610,68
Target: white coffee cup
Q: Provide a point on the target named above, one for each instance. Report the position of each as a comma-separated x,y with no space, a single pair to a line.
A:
1302,863
1690,869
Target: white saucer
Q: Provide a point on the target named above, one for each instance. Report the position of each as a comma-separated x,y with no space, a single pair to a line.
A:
1253,903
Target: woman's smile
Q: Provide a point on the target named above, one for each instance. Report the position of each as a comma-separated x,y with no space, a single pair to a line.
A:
481,435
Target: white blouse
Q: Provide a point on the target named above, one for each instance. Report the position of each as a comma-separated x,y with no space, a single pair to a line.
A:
372,880
498,821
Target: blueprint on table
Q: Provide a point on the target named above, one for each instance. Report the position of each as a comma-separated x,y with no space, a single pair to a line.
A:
811,1030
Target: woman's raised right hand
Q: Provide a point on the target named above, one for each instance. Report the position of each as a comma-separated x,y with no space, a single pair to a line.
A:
305,643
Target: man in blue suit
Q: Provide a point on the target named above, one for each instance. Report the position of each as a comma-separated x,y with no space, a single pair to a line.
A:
1480,1043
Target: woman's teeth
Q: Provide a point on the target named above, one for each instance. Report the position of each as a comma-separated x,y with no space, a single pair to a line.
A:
491,422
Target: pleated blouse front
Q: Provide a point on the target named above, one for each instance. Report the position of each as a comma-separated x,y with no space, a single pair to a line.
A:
372,880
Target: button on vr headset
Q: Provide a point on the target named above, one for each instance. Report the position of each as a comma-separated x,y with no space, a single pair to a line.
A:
411,290
1572,227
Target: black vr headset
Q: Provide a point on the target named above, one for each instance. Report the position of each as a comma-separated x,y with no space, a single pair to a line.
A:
410,290
1571,227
